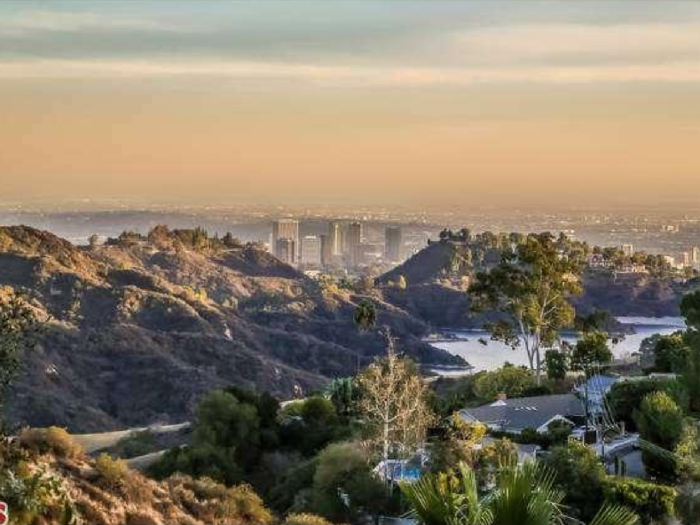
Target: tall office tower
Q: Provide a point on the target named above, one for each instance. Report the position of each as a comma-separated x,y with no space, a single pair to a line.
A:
335,238
310,250
696,255
285,229
392,243
353,238
326,250
285,250
627,250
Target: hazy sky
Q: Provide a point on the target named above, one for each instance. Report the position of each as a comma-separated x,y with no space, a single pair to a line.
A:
413,102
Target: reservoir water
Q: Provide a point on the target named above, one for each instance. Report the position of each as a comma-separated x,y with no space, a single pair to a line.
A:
494,354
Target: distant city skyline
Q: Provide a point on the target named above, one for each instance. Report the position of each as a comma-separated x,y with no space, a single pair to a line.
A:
455,104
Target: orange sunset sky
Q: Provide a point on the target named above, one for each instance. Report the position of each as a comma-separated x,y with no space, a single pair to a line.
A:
290,102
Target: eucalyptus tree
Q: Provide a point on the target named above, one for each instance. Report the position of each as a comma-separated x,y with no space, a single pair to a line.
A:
530,291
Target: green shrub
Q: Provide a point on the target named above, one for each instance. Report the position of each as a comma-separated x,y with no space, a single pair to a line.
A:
650,501
558,432
205,460
308,426
343,468
670,353
511,380
660,421
224,421
453,393
580,474
292,489
226,441
537,390
530,435
688,453
690,376
556,363
591,348
626,396
136,444
35,498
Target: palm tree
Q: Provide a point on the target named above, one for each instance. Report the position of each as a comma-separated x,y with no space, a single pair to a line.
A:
446,499
524,494
614,515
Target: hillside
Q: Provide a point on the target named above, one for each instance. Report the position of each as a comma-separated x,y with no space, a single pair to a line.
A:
140,328
632,294
441,262
45,477
437,278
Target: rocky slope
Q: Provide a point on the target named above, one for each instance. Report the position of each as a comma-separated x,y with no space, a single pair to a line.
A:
140,329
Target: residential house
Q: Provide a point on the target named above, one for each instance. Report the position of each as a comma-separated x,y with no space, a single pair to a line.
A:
517,414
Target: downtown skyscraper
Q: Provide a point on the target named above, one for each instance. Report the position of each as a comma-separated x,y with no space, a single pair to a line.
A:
285,229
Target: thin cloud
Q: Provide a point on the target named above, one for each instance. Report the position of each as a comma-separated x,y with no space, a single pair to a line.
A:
566,41
29,22
350,75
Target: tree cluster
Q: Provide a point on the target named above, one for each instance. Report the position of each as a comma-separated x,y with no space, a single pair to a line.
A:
19,328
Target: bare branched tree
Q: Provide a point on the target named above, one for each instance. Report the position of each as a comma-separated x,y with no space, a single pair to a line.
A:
394,404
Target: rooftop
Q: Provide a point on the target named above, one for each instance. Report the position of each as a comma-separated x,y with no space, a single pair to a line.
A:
525,412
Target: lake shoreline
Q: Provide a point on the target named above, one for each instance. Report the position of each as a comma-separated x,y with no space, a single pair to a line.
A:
468,343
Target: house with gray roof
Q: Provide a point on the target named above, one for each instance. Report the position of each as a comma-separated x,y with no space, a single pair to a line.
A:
517,414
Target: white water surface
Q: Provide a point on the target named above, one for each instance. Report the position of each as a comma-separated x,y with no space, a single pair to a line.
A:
494,354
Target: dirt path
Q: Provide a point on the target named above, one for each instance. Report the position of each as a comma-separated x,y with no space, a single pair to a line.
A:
94,442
